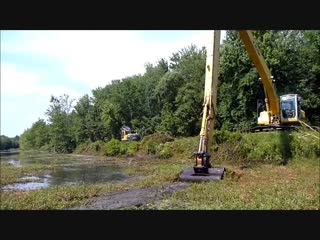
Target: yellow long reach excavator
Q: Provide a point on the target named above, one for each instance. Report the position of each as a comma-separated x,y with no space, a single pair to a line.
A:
276,116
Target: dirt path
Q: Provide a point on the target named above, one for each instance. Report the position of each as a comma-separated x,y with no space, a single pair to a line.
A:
130,198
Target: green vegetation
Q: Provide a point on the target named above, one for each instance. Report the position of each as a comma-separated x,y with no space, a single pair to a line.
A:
50,198
10,174
8,143
277,170
267,147
92,148
36,137
274,170
262,188
113,147
168,96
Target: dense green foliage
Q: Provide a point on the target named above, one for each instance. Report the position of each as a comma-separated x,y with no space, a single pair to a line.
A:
8,143
168,96
35,137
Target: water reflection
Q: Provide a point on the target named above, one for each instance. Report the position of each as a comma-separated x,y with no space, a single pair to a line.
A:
74,170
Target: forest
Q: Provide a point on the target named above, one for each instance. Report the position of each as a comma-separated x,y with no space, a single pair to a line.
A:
168,96
8,143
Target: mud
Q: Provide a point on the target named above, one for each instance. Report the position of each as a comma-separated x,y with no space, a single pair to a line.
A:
130,198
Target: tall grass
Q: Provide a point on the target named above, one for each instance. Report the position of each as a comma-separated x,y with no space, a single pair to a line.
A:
243,148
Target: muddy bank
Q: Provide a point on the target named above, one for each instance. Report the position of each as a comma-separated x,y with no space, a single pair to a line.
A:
130,198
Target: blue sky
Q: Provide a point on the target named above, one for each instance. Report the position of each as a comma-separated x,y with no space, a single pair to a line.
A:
38,64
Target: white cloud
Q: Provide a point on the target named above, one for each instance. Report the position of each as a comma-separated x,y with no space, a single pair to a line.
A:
90,57
25,98
15,82
97,57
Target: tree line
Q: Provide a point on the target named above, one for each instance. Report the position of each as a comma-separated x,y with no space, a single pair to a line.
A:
8,143
168,96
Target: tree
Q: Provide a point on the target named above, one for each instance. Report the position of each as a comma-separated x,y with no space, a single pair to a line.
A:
167,88
86,121
5,142
188,113
35,137
309,84
59,114
111,119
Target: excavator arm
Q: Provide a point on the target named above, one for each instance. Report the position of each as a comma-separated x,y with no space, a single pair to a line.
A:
203,170
209,104
271,99
283,112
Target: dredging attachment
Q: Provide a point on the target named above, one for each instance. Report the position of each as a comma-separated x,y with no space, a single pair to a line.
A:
189,175
202,171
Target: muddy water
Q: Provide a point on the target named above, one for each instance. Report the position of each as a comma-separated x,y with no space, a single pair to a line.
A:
35,183
73,169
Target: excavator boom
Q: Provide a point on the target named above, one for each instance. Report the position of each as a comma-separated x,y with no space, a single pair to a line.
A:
209,101
203,170
281,113
271,100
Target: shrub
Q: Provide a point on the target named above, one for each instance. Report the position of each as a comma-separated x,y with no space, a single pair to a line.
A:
221,136
149,143
133,147
164,151
305,144
112,147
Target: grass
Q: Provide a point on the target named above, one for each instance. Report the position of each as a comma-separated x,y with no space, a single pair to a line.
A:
257,177
10,174
260,188
59,197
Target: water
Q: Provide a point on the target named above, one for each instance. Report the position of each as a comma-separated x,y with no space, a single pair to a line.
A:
27,185
86,174
14,162
10,157
72,170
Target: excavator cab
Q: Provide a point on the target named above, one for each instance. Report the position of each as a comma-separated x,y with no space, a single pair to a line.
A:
290,108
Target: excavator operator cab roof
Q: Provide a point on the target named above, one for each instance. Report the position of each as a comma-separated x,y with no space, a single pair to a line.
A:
126,129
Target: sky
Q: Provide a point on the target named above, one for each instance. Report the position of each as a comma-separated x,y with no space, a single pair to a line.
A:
36,64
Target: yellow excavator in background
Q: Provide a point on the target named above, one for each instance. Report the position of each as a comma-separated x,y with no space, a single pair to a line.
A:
127,135
275,117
